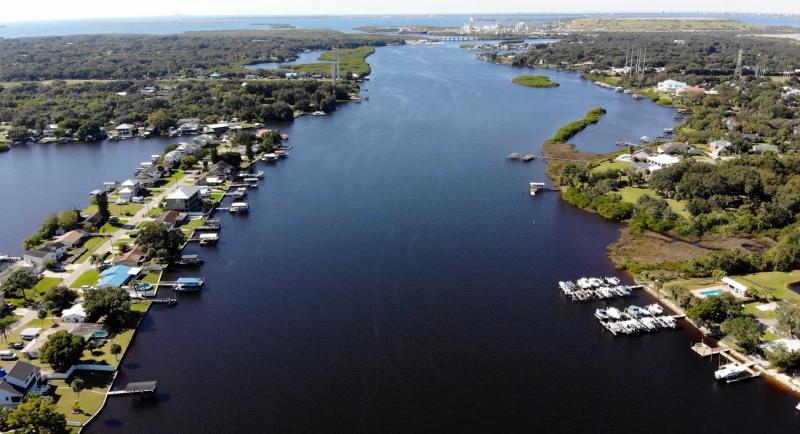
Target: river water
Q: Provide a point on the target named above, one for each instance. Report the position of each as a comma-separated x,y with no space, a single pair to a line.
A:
394,276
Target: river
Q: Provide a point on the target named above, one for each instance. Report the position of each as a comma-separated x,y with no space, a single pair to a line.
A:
394,276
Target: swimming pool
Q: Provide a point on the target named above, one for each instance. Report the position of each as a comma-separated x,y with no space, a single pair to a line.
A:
711,292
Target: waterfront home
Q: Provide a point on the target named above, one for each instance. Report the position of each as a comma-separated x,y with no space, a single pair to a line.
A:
118,275
22,378
670,86
213,180
641,155
171,218
132,258
205,140
672,148
188,148
134,185
791,345
188,128
738,288
764,147
691,91
74,314
186,198
221,170
125,130
149,176
218,128
73,238
661,161
50,130
173,157
49,253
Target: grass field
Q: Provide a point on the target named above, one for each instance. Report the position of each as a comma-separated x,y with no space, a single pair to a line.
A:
632,194
351,60
92,244
117,210
90,277
89,400
611,165
534,81
777,280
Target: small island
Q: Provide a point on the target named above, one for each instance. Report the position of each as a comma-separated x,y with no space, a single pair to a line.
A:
535,81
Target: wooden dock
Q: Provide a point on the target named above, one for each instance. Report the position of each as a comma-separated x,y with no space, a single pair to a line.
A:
704,350
140,389
167,301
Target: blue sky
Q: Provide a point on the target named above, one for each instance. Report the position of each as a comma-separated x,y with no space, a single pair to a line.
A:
61,9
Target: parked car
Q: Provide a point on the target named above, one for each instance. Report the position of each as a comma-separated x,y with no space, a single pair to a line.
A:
7,355
17,345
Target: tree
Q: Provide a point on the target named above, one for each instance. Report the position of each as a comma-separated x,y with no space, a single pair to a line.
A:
715,309
745,330
37,415
101,200
116,350
61,297
77,386
42,314
68,220
5,325
113,303
158,241
782,358
62,350
160,121
788,315
18,281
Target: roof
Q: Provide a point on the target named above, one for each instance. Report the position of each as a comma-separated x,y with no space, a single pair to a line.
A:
720,144
790,344
142,386
134,255
734,284
22,370
73,236
8,387
116,269
124,127
74,310
663,159
672,147
129,183
765,147
31,331
117,276
185,192
37,253
169,217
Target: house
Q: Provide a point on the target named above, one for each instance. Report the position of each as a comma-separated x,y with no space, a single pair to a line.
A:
189,128
18,381
215,76
150,176
129,189
10,396
218,128
173,157
672,148
661,161
39,257
791,345
186,199
93,219
125,130
751,136
641,155
171,218
718,147
30,333
75,313
50,130
118,275
670,86
764,147
131,258
291,75
738,288
73,238
205,140
188,148
221,170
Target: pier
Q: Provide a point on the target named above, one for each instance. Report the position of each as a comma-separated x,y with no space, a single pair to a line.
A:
749,368
140,390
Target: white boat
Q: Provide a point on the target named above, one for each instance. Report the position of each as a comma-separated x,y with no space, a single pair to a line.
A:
645,139
600,314
613,313
318,113
627,91
655,309
240,207
728,371
618,89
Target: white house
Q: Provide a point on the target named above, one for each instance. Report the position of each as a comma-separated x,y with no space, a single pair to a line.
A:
50,130
74,314
51,252
738,288
173,156
661,161
30,333
717,147
125,130
19,380
670,86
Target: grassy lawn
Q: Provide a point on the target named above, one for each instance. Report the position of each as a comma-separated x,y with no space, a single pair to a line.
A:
351,60
151,278
90,277
92,244
36,293
632,194
89,400
175,177
611,165
155,212
777,280
110,228
196,223
217,196
117,210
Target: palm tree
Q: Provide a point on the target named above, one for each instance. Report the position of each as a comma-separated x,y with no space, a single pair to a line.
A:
116,349
77,386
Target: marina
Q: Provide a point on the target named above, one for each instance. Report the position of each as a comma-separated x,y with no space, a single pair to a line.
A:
635,320
595,288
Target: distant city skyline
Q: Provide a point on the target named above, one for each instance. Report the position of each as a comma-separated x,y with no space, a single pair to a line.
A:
59,9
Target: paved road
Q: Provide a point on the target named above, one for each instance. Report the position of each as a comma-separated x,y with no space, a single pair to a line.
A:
76,270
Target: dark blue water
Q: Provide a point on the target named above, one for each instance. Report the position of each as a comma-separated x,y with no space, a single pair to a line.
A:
179,24
39,179
394,276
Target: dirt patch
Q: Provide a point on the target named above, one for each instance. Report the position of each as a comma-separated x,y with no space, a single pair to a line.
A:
725,242
567,153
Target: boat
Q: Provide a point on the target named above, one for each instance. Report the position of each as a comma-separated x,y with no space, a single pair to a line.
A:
535,187
270,157
208,239
190,260
614,313
728,371
627,91
644,139
636,96
601,314
655,309
318,113
240,207
618,89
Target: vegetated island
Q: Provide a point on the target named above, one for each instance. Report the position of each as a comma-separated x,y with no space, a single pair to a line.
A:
351,60
655,24
535,81
569,130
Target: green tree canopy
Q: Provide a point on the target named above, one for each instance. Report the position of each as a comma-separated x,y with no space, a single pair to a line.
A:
62,350
113,303
37,415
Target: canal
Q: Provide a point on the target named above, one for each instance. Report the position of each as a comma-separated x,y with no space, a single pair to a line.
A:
394,276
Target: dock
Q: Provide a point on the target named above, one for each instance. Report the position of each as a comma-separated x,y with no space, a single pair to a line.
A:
749,367
167,301
526,158
139,390
595,288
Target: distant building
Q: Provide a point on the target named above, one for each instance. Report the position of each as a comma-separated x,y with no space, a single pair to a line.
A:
50,130
125,130
738,288
661,161
215,76
22,378
764,147
131,258
75,313
73,238
670,86
186,199
672,148
51,252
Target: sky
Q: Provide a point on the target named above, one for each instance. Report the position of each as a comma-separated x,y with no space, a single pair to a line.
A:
63,9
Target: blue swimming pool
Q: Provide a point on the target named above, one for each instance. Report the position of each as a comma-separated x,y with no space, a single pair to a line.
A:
711,292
